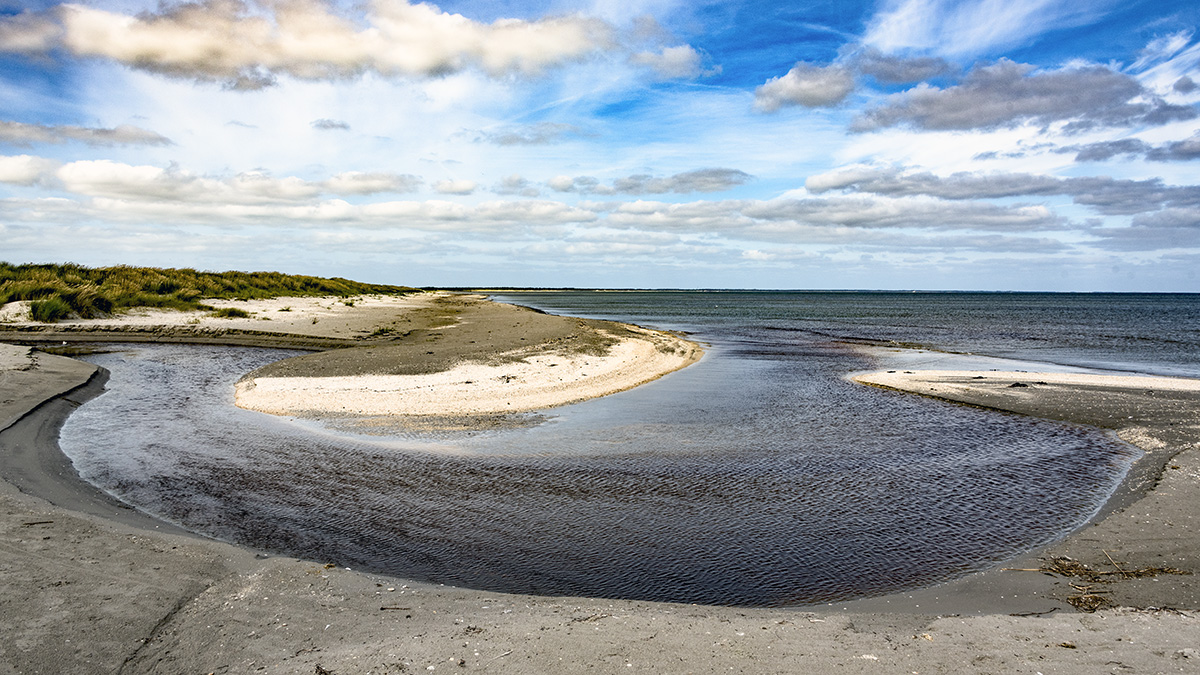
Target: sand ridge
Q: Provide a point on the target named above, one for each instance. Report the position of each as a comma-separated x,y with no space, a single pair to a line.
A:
949,381
422,354
518,381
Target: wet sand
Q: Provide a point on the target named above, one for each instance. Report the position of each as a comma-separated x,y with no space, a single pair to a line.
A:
101,589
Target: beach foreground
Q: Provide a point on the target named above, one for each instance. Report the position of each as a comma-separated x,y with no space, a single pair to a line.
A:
91,586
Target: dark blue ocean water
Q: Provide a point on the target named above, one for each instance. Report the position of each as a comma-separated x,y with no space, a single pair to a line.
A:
759,476
1142,332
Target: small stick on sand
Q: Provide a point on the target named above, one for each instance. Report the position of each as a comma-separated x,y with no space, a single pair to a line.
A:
1114,564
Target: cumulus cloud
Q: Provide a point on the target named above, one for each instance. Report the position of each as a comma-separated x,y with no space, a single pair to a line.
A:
105,178
1109,196
1172,228
1170,218
893,181
542,133
25,169
700,180
805,85
28,32
1174,151
366,183
246,43
682,62
1184,85
325,124
430,215
1098,152
455,187
907,212
832,217
1187,149
1006,94
892,69
20,133
113,180
515,185
564,183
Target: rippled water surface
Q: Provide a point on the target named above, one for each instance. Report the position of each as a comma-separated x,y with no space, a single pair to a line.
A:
757,477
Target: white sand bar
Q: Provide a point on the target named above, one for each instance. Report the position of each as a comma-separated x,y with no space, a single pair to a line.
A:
523,383
946,382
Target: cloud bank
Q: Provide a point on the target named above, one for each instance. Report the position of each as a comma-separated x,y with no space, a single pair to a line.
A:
700,180
246,44
1005,94
19,133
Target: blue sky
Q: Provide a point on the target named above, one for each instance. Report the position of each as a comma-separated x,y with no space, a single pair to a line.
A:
907,144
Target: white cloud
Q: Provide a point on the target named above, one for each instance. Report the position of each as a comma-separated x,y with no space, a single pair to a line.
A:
1006,94
28,32
455,187
1164,63
1106,195
682,62
542,133
1162,49
326,124
105,178
963,28
805,85
20,133
898,69
561,183
25,170
245,44
515,185
360,183
109,179
699,180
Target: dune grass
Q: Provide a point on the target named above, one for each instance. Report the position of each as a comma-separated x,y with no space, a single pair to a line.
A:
62,291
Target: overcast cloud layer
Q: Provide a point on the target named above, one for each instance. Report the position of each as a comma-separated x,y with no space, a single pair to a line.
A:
1034,144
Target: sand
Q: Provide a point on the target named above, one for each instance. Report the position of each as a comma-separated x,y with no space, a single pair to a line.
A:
524,380
415,355
350,317
91,587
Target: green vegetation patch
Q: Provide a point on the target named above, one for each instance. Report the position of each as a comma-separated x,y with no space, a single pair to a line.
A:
231,313
61,291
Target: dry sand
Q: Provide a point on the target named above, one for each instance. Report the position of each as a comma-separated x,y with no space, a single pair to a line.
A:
100,589
426,354
523,380
329,317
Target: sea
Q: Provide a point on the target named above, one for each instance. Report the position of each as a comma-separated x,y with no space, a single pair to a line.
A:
759,476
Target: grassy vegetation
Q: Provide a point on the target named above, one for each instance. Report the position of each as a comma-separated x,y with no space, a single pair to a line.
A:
231,313
62,291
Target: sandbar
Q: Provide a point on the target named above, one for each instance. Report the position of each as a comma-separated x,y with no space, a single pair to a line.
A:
521,380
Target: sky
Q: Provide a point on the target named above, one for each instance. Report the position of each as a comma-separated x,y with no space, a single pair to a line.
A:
820,144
